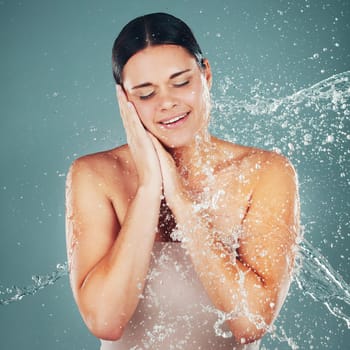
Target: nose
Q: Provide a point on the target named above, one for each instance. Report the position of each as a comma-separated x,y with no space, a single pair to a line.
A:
167,100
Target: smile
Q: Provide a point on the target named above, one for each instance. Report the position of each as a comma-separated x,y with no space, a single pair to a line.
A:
175,120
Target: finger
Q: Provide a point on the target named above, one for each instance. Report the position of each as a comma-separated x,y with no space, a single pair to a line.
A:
123,102
155,143
126,107
158,147
120,95
164,157
130,117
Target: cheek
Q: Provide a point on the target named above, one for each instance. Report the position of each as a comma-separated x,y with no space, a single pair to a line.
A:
191,97
198,98
199,94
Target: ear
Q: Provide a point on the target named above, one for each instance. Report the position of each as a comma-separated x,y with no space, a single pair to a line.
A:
207,72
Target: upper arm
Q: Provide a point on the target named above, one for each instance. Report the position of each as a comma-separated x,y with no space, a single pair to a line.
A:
272,224
91,222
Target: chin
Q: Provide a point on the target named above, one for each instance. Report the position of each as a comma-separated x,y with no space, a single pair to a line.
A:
177,142
174,145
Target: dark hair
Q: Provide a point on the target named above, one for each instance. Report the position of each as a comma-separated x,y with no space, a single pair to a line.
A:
150,30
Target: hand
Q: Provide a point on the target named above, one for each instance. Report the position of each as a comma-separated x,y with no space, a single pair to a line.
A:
140,144
173,189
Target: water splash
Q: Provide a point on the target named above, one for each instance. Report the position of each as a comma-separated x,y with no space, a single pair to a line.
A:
310,124
12,294
314,276
322,283
331,93
311,127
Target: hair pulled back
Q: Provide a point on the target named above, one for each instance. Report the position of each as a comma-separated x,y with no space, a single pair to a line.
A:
151,30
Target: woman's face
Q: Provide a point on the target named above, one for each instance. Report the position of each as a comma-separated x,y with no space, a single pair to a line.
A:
170,93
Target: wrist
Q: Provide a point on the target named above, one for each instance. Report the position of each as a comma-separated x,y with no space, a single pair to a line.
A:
150,192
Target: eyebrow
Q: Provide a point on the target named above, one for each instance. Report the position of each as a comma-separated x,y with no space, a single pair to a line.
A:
171,77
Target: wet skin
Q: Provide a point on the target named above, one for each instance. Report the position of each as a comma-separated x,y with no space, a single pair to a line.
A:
115,210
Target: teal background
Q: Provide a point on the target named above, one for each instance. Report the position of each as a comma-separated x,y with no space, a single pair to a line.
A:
57,102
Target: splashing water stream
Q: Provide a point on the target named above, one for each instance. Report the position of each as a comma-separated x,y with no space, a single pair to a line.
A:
294,136
11,294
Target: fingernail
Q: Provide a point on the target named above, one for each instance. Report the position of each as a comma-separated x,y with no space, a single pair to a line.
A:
129,104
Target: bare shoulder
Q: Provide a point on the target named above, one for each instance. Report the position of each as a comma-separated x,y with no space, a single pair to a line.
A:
101,164
270,162
270,172
275,166
107,170
259,165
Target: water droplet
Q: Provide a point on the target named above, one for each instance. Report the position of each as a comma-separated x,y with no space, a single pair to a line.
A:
307,139
330,138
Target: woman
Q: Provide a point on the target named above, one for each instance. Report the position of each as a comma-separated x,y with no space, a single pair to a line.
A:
178,239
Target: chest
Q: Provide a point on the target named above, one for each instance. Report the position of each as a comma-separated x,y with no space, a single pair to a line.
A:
224,205
225,201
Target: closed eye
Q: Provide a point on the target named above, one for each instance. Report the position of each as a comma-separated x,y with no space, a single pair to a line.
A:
177,85
182,83
145,97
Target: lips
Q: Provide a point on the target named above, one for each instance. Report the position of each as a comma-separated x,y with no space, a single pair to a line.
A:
173,121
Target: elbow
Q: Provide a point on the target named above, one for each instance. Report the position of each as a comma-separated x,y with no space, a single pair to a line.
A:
101,320
245,331
248,335
102,323
105,330
107,334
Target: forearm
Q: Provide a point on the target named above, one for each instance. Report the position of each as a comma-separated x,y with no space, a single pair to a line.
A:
235,289
231,285
110,292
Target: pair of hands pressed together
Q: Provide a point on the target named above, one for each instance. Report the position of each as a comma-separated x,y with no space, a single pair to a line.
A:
155,166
